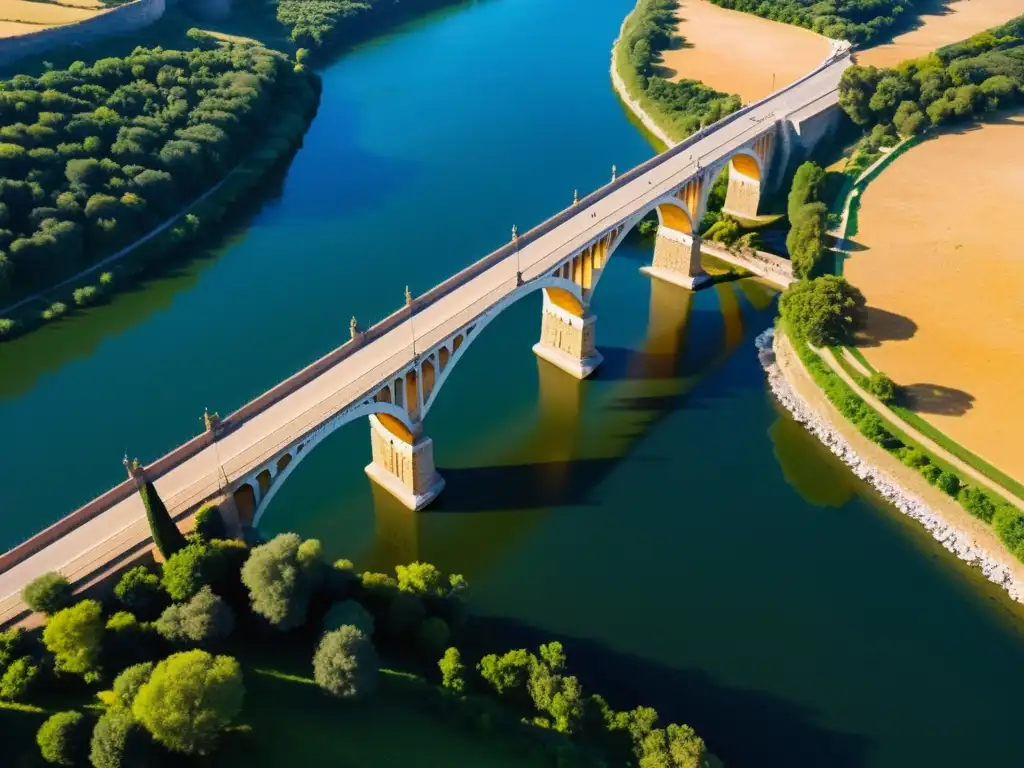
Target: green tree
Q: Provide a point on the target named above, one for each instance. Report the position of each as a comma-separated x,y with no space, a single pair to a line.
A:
856,89
421,579
806,239
882,387
166,536
190,569
280,582
508,672
139,591
452,671
346,664
75,637
48,593
117,742
909,120
63,738
190,698
807,185
825,311
205,618
209,523
18,678
349,613
127,684
674,747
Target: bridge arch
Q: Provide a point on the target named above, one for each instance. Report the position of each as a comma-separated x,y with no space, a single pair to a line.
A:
561,287
672,212
284,463
747,174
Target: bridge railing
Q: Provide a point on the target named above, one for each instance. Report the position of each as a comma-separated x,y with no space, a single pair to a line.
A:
194,446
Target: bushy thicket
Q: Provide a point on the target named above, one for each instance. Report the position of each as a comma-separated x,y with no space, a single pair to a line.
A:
825,311
681,107
317,23
859,21
93,156
807,219
982,74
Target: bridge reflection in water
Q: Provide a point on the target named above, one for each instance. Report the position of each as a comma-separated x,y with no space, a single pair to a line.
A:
581,431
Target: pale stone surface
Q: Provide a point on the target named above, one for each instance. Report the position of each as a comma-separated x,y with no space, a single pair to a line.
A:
406,471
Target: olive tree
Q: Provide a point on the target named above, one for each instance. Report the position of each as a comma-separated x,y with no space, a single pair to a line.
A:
63,738
75,637
346,664
48,593
280,576
204,618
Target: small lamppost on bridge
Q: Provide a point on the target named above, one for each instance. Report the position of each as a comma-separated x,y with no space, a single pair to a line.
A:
515,233
353,327
614,173
408,297
134,470
575,197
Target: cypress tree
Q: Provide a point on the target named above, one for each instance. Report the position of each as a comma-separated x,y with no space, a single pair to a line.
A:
166,535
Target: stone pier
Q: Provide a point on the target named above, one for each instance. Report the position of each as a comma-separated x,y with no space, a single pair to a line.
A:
677,259
403,465
567,340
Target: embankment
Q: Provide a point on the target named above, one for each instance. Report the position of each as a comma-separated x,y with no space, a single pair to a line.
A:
968,539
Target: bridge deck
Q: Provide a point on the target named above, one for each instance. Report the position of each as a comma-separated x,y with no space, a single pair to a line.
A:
113,530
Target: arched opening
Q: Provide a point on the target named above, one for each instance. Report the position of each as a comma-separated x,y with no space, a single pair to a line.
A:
384,395
563,299
428,378
399,393
457,343
442,357
411,399
245,503
264,479
675,218
743,198
283,462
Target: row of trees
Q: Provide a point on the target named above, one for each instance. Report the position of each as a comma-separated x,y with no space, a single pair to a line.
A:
680,107
808,215
318,23
859,21
955,83
94,156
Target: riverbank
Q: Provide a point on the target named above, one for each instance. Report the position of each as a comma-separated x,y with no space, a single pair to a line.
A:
971,540
201,219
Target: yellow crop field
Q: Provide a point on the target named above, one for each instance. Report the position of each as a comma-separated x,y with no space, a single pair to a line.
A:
18,17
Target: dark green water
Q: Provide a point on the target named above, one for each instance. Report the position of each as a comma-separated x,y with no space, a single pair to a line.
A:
697,548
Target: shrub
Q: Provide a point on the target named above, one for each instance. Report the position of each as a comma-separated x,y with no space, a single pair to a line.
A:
349,613
117,742
948,483
931,473
106,279
916,458
75,637
139,591
18,679
1008,522
189,700
48,593
127,684
825,311
209,523
346,664
506,673
7,327
190,569
86,295
977,502
280,579
882,387
452,670
203,619
57,309
63,738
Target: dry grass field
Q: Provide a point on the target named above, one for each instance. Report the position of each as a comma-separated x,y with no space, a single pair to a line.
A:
944,275
18,17
942,22
741,53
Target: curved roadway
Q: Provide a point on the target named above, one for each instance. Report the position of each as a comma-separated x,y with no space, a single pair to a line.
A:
121,529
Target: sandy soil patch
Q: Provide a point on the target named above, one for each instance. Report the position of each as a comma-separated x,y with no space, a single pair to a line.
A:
943,274
739,53
14,29
942,23
40,15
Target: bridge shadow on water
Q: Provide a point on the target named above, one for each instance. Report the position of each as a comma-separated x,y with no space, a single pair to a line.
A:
743,727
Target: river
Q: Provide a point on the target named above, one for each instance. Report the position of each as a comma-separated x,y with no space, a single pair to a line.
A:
698,549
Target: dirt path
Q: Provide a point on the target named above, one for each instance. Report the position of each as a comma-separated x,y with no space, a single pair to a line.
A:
942,23
911,481
943,283
740,53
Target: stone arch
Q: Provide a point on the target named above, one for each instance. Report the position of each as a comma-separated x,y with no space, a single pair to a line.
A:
245,502
666,202
462,342
442,357
307,444
428,373
746,173
264,480
283,462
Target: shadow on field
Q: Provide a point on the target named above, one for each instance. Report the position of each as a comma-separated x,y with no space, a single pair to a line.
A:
882,325
937,399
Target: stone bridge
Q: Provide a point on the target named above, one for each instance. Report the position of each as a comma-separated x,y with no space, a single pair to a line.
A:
392,372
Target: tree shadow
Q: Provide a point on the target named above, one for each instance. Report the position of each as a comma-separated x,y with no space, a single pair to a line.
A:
742,727
936,399
881,325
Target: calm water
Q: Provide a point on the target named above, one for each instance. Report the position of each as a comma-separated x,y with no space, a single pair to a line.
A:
696,547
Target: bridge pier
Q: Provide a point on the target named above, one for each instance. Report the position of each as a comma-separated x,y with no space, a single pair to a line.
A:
567,339
403,465
677,259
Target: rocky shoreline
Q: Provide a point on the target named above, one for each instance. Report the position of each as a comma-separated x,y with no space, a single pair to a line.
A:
952,539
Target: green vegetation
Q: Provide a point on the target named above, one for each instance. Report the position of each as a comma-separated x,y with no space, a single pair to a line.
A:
882,387
807,219
209,524
166,536
955,83
48,593
825,311
321,23
176,696
139,591
859,21
680,108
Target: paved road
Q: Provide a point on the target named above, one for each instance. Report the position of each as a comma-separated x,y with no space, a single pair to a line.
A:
84,550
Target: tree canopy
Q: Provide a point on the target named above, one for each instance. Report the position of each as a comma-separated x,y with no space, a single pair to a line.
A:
280,576
825,311
859,21
346,663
